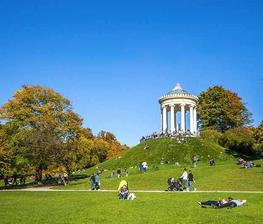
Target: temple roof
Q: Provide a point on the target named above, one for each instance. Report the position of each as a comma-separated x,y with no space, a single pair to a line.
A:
178,91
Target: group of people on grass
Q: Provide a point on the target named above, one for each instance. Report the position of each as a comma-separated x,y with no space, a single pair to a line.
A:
119,173
188,180
246,164
14,180
168,134
95,182
60,178
185,182
63,178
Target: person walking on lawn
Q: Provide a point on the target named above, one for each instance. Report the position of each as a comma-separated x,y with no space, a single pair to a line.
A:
191,181
184,179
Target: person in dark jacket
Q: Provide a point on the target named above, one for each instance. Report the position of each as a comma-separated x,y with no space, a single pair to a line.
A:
191,181
92,182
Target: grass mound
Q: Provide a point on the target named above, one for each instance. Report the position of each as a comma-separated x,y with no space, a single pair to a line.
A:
168,150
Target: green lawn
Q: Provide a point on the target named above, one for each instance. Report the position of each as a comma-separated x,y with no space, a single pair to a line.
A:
226,175
101,207
98,207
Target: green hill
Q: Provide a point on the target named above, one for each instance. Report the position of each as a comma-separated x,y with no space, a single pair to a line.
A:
168,150
226,175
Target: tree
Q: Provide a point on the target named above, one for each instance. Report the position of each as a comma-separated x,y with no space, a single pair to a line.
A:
113,147
222,109
5,153
258,134
239,139
39,131
108,136
40,126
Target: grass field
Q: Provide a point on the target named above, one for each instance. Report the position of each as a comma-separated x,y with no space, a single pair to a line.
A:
101,207
226,175
98,207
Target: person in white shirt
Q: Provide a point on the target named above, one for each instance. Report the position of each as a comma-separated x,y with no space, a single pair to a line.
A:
184,179
144,166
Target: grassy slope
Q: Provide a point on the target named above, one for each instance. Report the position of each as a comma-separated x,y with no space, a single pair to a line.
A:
83,207
226,175
170,150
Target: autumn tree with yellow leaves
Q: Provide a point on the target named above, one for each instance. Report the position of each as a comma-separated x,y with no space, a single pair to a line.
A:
40,129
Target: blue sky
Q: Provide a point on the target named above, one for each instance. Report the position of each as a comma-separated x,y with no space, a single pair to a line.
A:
114,59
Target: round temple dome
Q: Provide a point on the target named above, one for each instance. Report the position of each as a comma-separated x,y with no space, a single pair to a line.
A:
178,91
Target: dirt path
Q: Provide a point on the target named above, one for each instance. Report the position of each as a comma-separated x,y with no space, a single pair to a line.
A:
48,189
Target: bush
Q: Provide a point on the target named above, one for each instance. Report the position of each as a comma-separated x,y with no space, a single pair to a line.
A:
258,149
211,134
240,140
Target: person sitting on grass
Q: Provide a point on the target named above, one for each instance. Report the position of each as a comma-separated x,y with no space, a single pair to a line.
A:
248,165
212,162
124,191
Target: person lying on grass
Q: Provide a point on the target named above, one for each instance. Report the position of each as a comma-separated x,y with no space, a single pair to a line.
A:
211,203
232,204
229,203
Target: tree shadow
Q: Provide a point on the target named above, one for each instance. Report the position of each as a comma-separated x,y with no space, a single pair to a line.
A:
243,156
53,182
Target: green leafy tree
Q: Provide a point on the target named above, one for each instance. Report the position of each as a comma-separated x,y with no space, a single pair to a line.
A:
222,109
258,134
40,126
5,154
239,139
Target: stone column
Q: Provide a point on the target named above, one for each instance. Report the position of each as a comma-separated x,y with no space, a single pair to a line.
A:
164,119
191,119
175,121
161,120
172,118
195,121
183,117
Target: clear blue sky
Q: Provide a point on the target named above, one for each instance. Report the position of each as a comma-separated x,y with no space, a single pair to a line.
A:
114,59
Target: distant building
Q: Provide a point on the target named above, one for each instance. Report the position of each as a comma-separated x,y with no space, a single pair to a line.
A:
178,111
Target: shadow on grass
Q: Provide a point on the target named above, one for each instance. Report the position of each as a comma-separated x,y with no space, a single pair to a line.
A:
51,183
243,156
